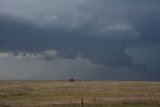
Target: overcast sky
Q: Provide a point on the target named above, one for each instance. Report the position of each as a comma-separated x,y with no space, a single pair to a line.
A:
81,39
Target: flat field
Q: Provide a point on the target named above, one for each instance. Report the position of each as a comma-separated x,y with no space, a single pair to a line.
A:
71,94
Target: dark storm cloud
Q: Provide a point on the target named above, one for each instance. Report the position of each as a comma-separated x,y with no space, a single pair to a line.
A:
148,25
95,30
69,44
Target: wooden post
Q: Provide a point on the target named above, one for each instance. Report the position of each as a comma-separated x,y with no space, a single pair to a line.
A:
82,102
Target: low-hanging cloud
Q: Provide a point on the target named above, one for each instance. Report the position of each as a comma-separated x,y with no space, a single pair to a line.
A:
36,67
119,32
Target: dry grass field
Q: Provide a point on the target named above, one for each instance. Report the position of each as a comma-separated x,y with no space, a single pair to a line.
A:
69,94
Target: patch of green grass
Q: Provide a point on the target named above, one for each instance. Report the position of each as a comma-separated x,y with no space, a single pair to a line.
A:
78,105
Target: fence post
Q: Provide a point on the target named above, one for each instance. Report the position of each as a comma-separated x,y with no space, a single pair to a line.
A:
82,102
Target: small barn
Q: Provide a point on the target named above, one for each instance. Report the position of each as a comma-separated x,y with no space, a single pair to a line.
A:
71,80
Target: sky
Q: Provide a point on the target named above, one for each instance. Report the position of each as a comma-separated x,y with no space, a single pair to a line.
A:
80,39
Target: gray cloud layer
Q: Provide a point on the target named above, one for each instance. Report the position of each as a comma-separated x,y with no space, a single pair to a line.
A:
98,31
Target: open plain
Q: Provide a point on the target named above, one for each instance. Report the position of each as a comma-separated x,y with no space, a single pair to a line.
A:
71,94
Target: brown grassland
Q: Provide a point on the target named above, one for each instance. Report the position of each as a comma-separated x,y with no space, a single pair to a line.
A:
69,94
